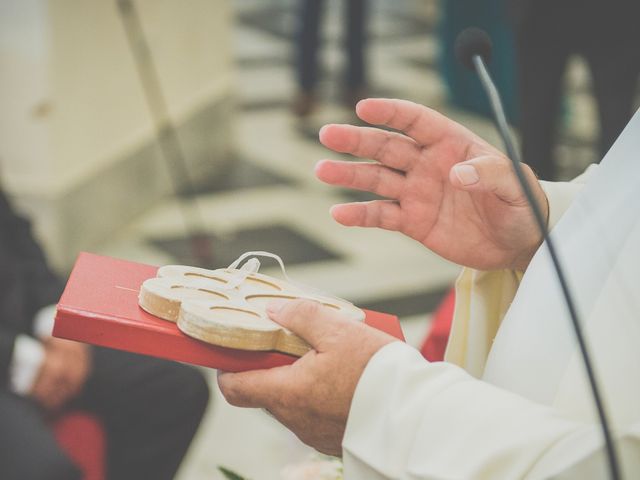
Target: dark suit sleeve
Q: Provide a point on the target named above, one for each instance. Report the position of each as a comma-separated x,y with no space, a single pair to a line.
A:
26,282
33,281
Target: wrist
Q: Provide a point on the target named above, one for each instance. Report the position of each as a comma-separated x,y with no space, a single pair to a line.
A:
521,263
523,260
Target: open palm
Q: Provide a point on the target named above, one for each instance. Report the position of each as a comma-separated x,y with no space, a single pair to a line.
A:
447,188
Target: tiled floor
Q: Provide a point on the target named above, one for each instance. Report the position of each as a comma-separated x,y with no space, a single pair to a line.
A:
270,200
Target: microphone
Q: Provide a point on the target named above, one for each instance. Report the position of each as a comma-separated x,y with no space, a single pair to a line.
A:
473,48
472,42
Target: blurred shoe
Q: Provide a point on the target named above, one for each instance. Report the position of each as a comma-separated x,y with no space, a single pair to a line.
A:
303,104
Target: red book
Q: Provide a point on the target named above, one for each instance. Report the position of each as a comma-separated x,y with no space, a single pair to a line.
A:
100,306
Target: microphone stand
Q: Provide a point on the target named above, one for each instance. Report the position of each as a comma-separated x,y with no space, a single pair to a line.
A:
501,122
166,135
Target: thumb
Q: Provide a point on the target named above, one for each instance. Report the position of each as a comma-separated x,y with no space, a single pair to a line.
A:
490,174
306,318
254,388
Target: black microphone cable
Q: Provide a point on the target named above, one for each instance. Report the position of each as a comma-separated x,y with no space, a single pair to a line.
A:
472,45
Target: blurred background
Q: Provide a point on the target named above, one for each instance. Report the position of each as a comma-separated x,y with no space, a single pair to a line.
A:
166,131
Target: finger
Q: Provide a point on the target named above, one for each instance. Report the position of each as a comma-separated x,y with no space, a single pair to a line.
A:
56,401
311,320
424,125
255,388
49,395
384,214
390,148
490,174
74,381
370,177
72,391
65,391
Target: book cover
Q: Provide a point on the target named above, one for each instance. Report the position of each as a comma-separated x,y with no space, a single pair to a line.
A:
100,306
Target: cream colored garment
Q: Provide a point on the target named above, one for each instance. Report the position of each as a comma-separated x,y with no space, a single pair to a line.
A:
530,415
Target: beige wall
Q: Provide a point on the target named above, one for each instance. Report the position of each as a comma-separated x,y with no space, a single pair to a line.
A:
71,104
24,84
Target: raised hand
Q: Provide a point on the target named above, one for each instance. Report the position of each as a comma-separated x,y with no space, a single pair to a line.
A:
447,188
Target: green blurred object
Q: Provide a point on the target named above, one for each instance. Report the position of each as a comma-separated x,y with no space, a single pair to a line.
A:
463,85
228,474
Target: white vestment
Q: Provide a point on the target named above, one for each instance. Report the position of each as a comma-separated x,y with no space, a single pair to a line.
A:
512,399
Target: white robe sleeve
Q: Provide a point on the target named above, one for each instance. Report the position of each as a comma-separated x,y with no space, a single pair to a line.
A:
411,419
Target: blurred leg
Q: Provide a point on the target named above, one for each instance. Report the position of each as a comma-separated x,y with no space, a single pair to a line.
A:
150,408
308,42
28,449
355,38
541,62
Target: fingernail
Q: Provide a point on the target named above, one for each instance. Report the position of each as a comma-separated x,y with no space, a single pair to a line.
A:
322,130
467,174
275,306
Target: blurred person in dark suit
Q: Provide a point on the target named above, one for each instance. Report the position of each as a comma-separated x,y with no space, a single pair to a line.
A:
150,408
547,33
